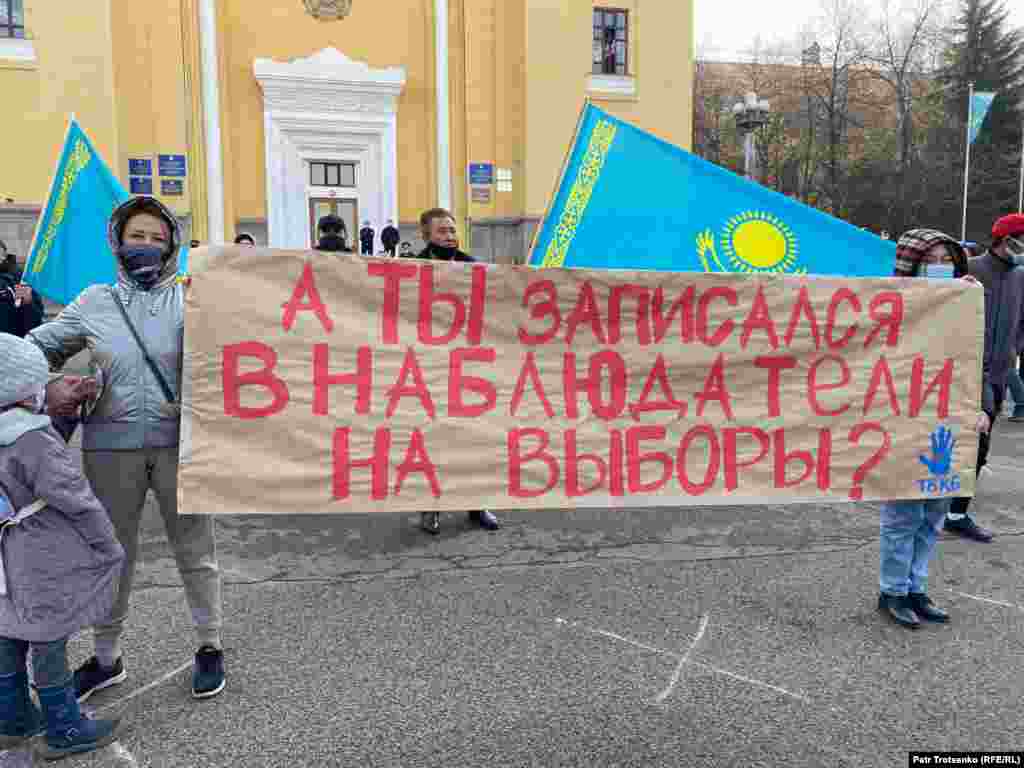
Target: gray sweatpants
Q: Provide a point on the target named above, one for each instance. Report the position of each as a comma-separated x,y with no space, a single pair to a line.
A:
120,480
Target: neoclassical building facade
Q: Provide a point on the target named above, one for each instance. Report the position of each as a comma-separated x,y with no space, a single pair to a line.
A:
262,115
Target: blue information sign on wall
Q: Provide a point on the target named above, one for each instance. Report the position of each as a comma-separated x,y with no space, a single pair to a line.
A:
140,166
172,187
481,173
141,185
173,165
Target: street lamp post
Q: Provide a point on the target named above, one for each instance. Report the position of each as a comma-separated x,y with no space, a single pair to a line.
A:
750,114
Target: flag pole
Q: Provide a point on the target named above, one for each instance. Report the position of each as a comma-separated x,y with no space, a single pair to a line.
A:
967,156
1020,191
561,176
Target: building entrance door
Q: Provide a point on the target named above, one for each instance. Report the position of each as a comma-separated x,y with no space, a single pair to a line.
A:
347,209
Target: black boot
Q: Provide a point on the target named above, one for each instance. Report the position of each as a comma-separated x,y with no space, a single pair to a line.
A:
67,731
485,519
431,522
923,606
898,609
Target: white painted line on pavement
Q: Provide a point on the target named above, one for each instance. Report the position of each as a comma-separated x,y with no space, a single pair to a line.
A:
147,687
751,681
613,636
684,659
660,698
123,756
987,600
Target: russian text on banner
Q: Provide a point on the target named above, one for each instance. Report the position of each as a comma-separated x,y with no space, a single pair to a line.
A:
332,384
628,200
69,250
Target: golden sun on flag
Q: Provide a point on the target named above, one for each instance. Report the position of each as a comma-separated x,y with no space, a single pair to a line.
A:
756,242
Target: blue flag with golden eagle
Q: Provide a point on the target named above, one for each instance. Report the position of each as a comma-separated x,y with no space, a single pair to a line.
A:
70,251
628,200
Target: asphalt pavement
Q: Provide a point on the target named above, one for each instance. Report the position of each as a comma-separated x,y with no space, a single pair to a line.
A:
650,637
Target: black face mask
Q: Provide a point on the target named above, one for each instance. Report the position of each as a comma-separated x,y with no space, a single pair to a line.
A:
443,252
143,263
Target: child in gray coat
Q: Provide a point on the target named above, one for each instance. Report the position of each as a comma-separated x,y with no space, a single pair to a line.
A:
59,563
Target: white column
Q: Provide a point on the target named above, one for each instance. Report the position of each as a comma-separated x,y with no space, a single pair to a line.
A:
211,120
444,184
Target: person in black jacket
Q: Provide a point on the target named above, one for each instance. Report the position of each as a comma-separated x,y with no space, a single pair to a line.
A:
366,236
21,308
389,237
333,234
438,229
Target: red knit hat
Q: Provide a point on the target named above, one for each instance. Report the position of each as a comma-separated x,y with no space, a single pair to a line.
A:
1008,226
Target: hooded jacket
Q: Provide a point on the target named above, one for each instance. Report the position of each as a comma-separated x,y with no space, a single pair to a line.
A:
62,565
131,412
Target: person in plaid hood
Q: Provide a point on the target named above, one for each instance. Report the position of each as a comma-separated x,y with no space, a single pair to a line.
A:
909,529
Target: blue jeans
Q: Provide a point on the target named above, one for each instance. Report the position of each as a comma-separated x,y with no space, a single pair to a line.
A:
909,530
49,660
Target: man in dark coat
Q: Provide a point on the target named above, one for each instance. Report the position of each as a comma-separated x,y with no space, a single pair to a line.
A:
333,235
366,236
437,227
1001,271
389,237
21,308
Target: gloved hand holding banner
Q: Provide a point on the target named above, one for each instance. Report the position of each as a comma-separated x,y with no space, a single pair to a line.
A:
318,384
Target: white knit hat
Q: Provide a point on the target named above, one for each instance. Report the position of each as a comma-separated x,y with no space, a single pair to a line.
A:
24,372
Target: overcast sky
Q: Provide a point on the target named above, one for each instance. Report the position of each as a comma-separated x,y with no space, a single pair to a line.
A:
725,28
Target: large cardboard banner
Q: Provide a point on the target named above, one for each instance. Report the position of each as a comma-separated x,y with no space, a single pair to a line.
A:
315,383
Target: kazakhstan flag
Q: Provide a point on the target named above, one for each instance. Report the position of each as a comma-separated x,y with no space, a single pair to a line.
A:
70,251
628,200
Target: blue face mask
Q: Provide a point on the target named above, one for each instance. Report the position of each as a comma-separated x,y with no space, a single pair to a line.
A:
143,263
938,271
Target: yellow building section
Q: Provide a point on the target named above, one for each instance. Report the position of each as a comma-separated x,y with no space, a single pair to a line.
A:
72,73
659,72
379,34
519,72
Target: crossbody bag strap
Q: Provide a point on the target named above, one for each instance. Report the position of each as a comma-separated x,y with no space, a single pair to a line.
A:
168,392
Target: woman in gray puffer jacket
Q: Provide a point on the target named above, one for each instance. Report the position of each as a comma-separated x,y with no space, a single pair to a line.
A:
134,332
60,563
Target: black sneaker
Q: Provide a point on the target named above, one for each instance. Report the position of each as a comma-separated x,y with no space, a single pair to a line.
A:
208,673
92,677
969,529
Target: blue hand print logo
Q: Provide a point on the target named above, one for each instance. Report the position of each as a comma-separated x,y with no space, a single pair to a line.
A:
940,464
941,459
